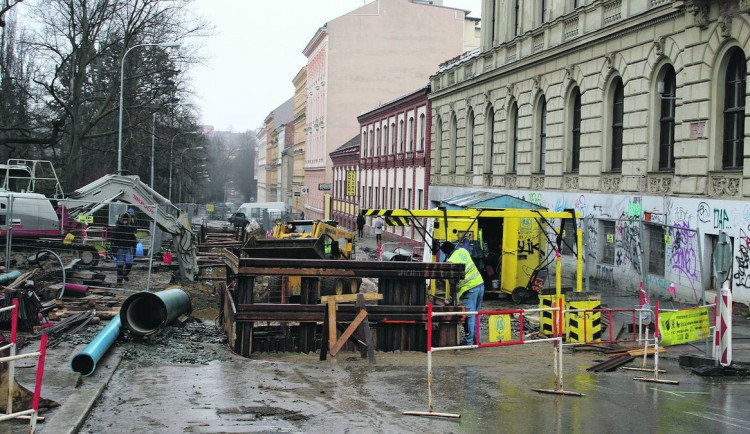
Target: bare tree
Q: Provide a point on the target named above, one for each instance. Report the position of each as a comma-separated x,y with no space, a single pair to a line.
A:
79,46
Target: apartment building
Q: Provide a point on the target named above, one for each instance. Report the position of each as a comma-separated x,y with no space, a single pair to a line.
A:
631,112
364,58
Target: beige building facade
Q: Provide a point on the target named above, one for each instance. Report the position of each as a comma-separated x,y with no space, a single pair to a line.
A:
364,58
298,150
260,168
631,112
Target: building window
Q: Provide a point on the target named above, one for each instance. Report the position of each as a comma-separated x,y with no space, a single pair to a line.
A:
420,198
608,242
377,147
401,135
372,144
516,18
422,130
384,199
470,141
377,198
489,140
618,104
666,120
392,198
385,139
656,249
411,134
513,120
393,138
542,119
400,203
542,11
364,143
408,204
575,132
734,112
438,148
453,145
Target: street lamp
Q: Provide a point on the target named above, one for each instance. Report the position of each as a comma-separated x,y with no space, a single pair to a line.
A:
122,83
171,157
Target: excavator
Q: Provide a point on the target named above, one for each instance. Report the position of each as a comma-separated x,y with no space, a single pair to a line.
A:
43,222
327,230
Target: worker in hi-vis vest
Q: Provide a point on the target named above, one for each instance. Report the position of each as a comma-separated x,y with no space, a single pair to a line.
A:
470,288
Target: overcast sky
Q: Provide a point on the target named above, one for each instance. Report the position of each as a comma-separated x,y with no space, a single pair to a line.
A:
257,51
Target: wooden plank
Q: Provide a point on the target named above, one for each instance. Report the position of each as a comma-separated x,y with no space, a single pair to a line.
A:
331,317
348,332
364,330
350,298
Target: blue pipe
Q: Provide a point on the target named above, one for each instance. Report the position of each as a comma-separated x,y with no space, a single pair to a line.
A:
146,313
9,277
85,361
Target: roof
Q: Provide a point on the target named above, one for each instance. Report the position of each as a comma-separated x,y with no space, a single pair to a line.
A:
352,143
284,113
485,199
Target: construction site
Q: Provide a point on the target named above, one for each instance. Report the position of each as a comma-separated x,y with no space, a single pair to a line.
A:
287,325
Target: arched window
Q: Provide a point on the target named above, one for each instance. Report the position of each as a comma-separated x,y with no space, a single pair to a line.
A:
734,111
668,88
401,135
489,139
385,139
618,103
542,134
411,134
453,145
470,141
393,138
377,147
575,130
422,131
438,148
513,138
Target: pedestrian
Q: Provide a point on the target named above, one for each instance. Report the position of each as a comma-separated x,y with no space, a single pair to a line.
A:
379,224
360,225
123,243
470,288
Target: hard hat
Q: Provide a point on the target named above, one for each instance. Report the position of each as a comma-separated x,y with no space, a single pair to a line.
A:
131,211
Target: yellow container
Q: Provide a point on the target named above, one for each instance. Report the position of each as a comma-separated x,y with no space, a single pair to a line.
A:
547,317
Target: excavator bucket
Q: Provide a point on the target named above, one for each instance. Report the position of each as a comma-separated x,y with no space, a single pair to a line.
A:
323,247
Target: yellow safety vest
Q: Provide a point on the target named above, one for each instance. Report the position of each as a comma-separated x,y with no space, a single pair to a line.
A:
472,277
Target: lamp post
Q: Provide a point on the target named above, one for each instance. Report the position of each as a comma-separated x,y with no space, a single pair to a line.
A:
122,83
153,141
171,157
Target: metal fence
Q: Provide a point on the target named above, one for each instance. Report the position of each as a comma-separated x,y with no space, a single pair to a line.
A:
35,229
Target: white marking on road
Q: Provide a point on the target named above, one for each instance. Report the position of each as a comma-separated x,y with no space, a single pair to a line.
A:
722,419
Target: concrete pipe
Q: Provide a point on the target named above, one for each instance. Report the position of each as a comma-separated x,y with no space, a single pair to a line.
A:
146,313
85,361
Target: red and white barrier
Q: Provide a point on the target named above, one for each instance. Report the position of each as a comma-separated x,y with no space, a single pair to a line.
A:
34,410
556,340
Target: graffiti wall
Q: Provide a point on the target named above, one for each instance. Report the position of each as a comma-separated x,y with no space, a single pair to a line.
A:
665,242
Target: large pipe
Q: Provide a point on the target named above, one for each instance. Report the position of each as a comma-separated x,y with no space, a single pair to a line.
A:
146,313
7,278
85,361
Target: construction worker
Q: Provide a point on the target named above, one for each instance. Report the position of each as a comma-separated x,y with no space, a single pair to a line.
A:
470,288
123,244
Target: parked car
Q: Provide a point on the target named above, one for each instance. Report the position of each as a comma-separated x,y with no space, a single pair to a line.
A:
238,219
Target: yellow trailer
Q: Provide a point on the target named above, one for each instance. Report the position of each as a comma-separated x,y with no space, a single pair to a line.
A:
512,247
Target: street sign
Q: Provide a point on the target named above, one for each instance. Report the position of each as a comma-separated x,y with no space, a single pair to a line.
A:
351,183
324,186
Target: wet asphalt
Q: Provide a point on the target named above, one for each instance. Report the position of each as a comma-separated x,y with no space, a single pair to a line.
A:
491,390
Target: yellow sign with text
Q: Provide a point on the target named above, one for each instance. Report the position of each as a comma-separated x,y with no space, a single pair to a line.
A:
500,328
351,183
683,326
